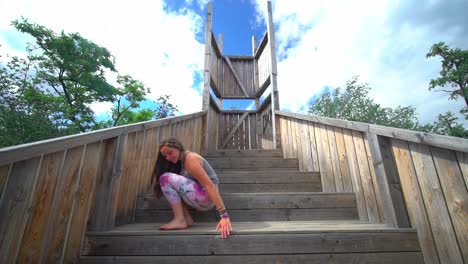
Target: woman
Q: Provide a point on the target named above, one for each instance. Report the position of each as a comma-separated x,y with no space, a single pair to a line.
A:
186,178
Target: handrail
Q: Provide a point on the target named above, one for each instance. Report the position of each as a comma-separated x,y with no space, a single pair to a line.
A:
29,150
453,143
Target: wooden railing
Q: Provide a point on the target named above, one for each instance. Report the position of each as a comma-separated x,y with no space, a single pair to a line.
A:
401,178
52,191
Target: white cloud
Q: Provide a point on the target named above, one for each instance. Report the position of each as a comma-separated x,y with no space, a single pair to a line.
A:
150,44
325,43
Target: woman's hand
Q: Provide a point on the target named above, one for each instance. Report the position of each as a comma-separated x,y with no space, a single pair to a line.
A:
225,226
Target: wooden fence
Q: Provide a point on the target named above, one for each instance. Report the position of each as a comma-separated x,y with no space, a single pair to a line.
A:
52,191
400,177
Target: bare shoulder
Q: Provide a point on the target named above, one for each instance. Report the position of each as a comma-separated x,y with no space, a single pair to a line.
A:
192,158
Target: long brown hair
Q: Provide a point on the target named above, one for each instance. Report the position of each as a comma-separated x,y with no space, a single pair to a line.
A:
163,165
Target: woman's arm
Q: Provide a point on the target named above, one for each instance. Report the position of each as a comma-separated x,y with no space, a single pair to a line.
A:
193,165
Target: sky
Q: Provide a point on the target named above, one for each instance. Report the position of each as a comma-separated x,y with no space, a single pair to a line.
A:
320,44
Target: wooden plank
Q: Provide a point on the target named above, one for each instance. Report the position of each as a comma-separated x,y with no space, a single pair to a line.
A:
234,129
256,215
30,150
385,197
241,133
462,158
14,205
456,194
101,209
394,182
62,211
84,196
297,138
325,160
4,171
436,209
366,178
414,199
252,244
137,172
335,160
355,176
374,179
343,160
47,181
128,163
313,147
454,143
331,258
306,150
284,136
292,140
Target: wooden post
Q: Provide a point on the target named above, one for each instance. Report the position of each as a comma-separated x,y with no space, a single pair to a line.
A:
220,42
257,99
382,182
207,76
273,73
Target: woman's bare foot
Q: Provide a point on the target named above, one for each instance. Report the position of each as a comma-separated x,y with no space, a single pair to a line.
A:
175,225
188,219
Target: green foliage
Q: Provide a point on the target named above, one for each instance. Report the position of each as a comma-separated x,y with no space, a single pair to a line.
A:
164,108
354,104
454,74
129,95
26,113
71,68
446,124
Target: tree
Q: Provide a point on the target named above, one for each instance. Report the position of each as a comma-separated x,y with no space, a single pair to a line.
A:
446,124
26,113
454,74
354,104
71,68
128,96
164,108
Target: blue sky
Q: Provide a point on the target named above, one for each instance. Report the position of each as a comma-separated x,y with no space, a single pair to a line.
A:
319,43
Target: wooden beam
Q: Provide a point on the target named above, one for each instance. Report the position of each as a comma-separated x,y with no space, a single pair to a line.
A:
235,75
262,46
220,40
233,130
264,86
382,181
447,142
265,103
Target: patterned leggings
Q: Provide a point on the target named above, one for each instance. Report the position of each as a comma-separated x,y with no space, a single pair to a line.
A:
176,188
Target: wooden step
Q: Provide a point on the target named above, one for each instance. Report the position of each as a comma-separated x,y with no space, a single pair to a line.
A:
247,153
272,181
295,206
253,164
316,258
277,241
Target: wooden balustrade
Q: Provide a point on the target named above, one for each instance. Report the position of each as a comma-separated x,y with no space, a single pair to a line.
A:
52,191
400,177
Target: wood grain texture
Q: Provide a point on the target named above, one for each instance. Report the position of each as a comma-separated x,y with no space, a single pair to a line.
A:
14,205
355,174
331,258
343,159
84,196
456,194
47,182
4,171
414,200
436,209
62,212
366,178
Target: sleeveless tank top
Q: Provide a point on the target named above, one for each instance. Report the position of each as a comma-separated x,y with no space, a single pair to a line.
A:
208,169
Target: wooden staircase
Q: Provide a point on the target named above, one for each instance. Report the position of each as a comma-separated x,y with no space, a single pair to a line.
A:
279,215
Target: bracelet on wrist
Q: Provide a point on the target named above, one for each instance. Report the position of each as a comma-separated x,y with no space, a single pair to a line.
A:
224,215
